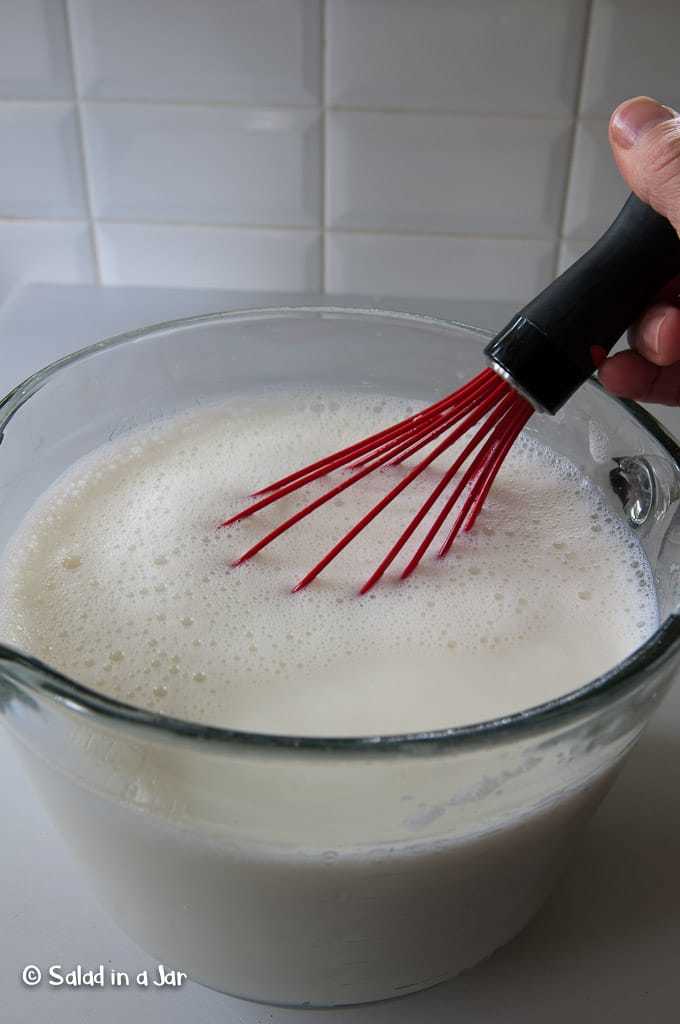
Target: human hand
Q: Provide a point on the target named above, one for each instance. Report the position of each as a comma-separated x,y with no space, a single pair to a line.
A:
645,139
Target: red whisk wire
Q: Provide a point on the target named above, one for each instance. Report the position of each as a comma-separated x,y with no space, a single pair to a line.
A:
470,402
461,429
486,397
502,430
391,495
485,473
500,412
504,389
426,434
274,493
369,442
503,450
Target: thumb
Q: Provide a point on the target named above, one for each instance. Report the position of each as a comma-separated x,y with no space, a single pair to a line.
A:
645,140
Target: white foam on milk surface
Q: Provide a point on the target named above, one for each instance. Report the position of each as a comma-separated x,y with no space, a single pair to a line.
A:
120,577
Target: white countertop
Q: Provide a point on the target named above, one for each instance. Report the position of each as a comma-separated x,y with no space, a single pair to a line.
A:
605,946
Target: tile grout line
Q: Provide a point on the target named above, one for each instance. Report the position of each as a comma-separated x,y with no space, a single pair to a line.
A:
324,144
300,229
81,138
568,178
108,101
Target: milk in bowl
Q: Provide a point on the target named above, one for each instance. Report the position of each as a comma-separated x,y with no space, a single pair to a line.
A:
302,803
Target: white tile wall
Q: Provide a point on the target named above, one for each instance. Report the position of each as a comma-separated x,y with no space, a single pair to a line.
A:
206,257
204,165
244,51
35,57
44,251
596,189
434,148
435,266
634,49
40,166
446,173
474,56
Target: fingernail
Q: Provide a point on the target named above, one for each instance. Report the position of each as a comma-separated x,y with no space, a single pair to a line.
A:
634,117
652,331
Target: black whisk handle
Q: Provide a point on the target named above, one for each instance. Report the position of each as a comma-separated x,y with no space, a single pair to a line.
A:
559,338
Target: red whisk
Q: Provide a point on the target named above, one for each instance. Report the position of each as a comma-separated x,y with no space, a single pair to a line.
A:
544,354
486,396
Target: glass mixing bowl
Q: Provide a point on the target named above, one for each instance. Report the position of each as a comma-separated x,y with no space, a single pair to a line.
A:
306,871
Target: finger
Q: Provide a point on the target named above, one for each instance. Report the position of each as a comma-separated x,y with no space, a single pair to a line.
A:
656,336
645,140
629,375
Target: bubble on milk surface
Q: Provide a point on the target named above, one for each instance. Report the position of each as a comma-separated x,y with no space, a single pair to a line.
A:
129,536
